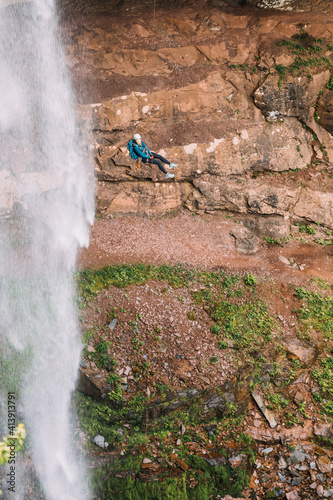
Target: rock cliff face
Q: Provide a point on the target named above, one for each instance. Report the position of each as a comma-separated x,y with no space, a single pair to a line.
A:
239,97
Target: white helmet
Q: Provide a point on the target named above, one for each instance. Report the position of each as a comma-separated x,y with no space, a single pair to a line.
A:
137,137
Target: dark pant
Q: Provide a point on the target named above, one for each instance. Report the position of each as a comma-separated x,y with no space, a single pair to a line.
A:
157,161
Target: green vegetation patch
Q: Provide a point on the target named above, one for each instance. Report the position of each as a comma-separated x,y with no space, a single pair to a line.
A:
246,324
229,299
91,281
201,481
316,311
98,418
106,486
307,51
324,376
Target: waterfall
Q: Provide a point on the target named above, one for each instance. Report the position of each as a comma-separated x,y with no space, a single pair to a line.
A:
46,206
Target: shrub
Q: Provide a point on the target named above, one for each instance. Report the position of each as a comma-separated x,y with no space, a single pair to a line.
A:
215,329
250,280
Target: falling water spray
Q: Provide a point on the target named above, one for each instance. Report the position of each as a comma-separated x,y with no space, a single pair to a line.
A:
46,206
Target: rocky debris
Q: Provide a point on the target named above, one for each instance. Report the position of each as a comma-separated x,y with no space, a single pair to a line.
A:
113,323
83,363
324,464
183,465
321,429
236,460
100,441
292,495
267,413
298,457
328,493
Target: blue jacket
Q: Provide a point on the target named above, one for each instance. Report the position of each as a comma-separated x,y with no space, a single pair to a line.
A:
141,150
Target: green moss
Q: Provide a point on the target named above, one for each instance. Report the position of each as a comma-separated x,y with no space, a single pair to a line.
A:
210,482
108,486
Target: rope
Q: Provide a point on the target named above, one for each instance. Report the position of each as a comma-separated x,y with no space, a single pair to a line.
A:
149,283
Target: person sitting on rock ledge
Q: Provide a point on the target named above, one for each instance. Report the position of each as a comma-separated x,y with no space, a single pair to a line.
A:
147,156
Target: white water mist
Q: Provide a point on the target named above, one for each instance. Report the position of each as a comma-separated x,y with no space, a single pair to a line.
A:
46,205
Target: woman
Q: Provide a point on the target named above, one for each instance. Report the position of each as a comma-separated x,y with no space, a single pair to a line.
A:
147,156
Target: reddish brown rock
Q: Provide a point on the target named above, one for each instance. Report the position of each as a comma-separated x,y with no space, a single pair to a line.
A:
305,354
324,464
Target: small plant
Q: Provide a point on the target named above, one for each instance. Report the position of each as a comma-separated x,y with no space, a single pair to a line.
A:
282,73
213,360
329,84
113,378
317,397
215,329
250,280
291,419
223,345
297,364
191,316
328,408
100,355
307,229
310,229
272,241
301,409
321,241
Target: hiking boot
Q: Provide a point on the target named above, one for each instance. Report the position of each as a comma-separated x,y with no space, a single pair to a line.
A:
173,165
169,176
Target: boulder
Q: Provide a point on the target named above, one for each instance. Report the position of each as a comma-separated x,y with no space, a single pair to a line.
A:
90,386
295,348
142,198
269,226
315,206
246,242
324,430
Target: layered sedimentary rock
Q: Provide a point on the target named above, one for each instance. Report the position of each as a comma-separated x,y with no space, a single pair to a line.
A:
239,97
